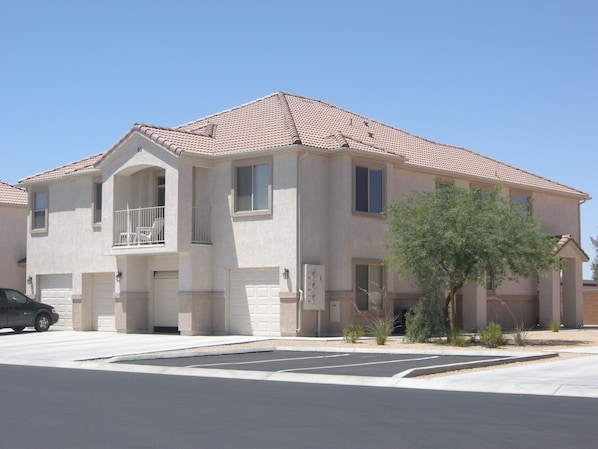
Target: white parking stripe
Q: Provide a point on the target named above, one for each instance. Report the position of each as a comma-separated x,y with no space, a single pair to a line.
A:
269,361
357,364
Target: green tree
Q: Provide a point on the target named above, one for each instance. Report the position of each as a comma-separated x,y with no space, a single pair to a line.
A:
453,236
595,261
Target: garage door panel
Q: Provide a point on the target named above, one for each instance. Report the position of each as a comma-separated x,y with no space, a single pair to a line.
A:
166,304
254,303
56,290
103,307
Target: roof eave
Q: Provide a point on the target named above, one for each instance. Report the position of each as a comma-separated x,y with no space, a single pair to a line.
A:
481,179
46,181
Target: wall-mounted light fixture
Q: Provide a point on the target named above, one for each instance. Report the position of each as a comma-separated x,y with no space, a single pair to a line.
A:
119,276
285,273
29,280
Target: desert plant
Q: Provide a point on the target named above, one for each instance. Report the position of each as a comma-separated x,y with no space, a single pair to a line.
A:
425,320
491,336
520,338
380,323
456,338
554,326
380,327
352,332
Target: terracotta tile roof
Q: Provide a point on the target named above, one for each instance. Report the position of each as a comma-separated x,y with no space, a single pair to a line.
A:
74,168
280,120
567,239
11,195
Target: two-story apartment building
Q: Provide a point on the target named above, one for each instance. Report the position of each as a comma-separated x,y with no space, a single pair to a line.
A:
265,219
13,239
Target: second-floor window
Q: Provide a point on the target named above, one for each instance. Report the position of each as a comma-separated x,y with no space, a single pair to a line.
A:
161,191
369,191
39,212
252,188
97,202
521,201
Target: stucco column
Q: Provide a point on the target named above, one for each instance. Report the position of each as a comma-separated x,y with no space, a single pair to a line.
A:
475,310
288,313
550,298
131,311
195,313
573,294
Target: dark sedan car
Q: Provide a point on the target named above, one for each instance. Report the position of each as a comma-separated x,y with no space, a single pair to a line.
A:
18,311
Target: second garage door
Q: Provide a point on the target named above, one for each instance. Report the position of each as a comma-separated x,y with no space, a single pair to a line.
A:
56,291
254,303
103,302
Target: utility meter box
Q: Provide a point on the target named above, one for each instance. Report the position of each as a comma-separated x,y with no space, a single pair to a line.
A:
314,287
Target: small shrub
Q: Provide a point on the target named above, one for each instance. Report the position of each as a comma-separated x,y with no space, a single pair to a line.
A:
554,326
520,338
456,338
491,336
352,332
380,327
425,320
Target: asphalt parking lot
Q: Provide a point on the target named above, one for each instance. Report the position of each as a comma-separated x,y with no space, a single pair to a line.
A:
322,363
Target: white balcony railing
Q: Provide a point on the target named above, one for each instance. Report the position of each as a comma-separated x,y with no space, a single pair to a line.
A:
201,225
142,226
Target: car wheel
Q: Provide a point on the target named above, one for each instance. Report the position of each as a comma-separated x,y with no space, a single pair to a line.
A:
18,329
42,322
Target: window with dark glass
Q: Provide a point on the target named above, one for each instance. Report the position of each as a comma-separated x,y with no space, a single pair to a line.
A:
368,287
252,188
161,191
368,190
522,202
40,210
97,202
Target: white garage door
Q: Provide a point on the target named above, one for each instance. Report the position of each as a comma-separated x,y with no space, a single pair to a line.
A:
56,290
103,302
254,303
166,304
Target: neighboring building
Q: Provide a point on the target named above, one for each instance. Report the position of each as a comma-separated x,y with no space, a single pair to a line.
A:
265,219
13,238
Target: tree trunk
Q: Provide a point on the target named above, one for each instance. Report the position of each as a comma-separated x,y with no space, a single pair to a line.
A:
450,322
447,320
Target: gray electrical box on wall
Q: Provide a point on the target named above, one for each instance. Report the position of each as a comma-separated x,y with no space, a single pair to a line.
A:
314,287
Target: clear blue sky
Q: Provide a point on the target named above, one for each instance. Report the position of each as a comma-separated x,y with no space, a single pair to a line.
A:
516,80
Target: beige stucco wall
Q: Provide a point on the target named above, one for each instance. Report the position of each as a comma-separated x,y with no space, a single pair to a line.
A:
13,246
560,215
327,230
72,244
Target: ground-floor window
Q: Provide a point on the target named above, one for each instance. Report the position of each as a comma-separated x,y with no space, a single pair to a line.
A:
369,281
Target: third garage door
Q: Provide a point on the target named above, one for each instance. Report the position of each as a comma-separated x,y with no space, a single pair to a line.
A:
254,303
166,304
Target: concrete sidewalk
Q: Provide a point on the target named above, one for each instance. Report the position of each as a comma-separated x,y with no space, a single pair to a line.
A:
76,346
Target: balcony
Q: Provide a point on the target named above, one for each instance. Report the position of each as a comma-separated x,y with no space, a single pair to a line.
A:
142,226
145,226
